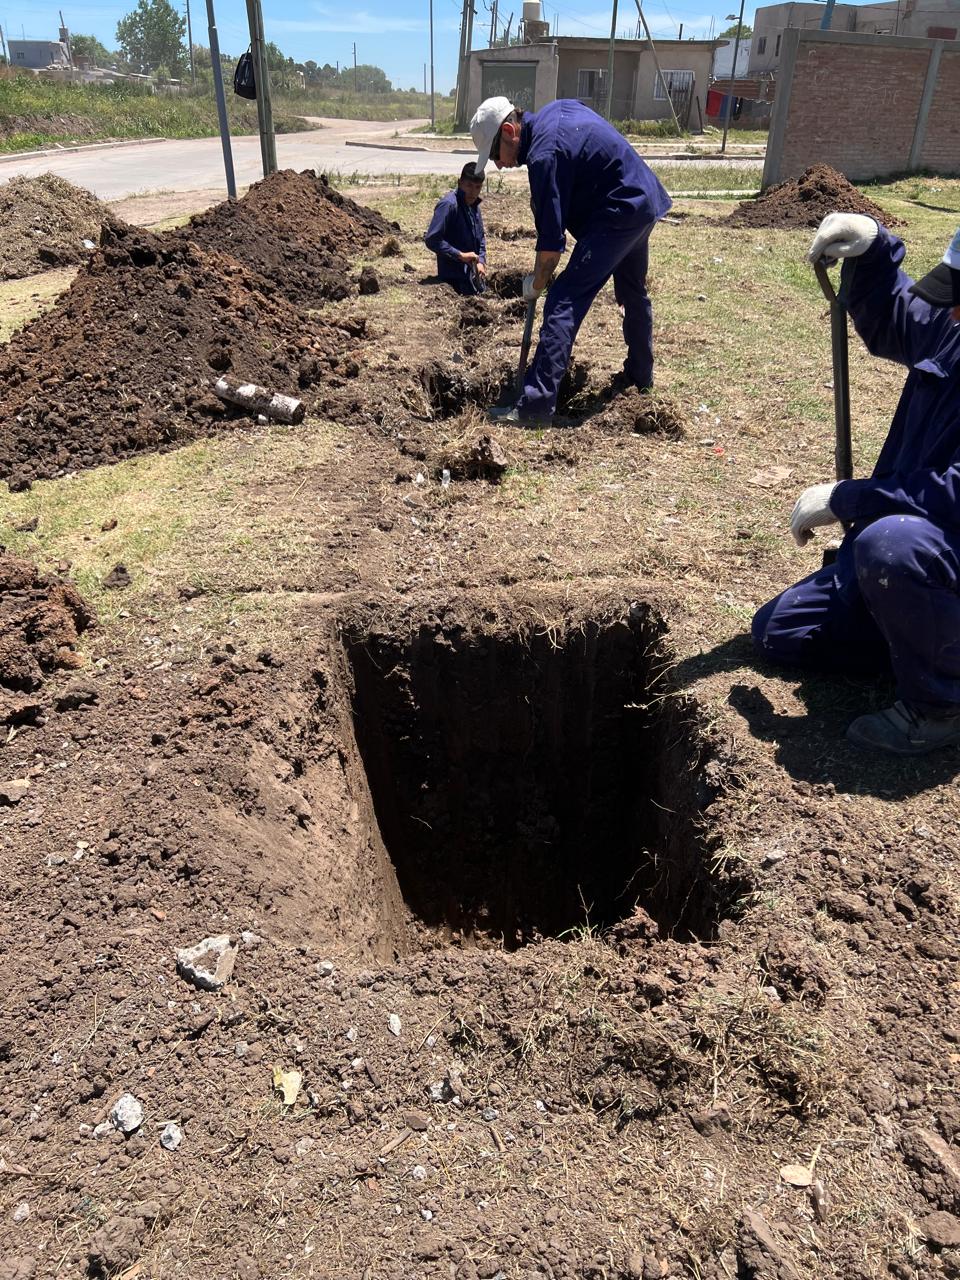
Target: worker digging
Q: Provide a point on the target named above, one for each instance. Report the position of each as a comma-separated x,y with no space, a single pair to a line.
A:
457,237
585,178
891,600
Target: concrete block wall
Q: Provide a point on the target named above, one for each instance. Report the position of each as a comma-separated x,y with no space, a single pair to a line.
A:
868,105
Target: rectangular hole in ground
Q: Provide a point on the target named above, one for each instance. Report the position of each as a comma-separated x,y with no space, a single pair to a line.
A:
529,785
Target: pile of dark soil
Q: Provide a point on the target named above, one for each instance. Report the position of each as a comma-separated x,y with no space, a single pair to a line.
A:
656,413
295,231
124,361
806,201
41,619
43,223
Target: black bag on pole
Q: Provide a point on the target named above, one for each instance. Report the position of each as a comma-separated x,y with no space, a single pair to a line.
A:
244,82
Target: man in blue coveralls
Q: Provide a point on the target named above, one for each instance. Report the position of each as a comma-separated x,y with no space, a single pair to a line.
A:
891,602
585,178
456,234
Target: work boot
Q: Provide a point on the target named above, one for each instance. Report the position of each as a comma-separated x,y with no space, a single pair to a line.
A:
902,730
512,414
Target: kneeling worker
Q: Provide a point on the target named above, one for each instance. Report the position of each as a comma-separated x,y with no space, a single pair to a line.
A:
892,599
585,178
456,235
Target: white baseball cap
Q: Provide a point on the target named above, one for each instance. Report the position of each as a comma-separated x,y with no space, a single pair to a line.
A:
487,119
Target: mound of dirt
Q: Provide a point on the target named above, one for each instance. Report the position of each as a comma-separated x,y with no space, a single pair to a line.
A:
655,413
806,201
294,230
43,223
124,361
41,619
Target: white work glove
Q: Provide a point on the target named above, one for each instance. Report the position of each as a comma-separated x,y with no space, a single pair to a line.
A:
530,294
842,235
812,510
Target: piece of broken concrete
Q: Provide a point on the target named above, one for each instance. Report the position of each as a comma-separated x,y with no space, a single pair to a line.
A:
126,1114
209,964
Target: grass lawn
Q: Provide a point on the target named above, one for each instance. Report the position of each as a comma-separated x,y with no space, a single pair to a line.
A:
36,113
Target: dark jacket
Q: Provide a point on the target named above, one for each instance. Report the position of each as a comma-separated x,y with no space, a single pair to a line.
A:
918,471
457,228
584,175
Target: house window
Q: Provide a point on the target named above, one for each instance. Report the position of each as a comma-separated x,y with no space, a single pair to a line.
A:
591,84
762,44
676,82
776,52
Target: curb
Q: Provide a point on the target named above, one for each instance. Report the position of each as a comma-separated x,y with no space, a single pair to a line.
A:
87,146
393,146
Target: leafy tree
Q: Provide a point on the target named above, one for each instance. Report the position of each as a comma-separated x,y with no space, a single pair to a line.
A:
152,36
731,32
90,47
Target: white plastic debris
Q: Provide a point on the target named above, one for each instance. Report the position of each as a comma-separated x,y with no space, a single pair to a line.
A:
394,1023
326,968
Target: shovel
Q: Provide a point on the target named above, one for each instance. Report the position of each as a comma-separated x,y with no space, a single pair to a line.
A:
525,343
843,447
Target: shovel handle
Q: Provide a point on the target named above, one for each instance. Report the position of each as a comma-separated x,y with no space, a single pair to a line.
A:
525,343
843,454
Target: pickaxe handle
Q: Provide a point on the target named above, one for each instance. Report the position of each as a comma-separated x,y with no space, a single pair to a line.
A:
841,375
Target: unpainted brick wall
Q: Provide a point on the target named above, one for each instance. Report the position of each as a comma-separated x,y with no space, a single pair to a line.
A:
854,102
853,108
941,145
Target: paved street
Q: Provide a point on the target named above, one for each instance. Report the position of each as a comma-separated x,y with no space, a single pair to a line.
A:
114,172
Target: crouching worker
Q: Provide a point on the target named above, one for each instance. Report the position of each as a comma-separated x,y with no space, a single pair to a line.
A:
891,601
456,235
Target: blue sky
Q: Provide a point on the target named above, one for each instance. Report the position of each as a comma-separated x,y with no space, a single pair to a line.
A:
392,34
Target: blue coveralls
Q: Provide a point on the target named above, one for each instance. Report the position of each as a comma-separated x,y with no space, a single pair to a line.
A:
457,228
892,599
585,178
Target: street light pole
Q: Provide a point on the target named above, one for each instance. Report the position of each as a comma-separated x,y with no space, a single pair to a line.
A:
433,106
733,76
221,101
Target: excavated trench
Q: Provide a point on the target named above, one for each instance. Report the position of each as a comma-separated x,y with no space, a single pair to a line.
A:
527,785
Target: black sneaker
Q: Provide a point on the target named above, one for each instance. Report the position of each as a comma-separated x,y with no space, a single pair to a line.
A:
901,730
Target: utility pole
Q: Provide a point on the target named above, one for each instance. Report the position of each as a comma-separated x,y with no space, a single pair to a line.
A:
433,104
193,69
261,75
3,46
613,39
221,102
461,95
728,107
656,63
355,89
493,23
680,32
65,37
827,18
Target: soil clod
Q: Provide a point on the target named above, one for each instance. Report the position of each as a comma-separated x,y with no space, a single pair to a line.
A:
41,620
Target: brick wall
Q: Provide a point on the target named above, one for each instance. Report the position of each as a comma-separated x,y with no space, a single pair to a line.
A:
868,105
941,145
